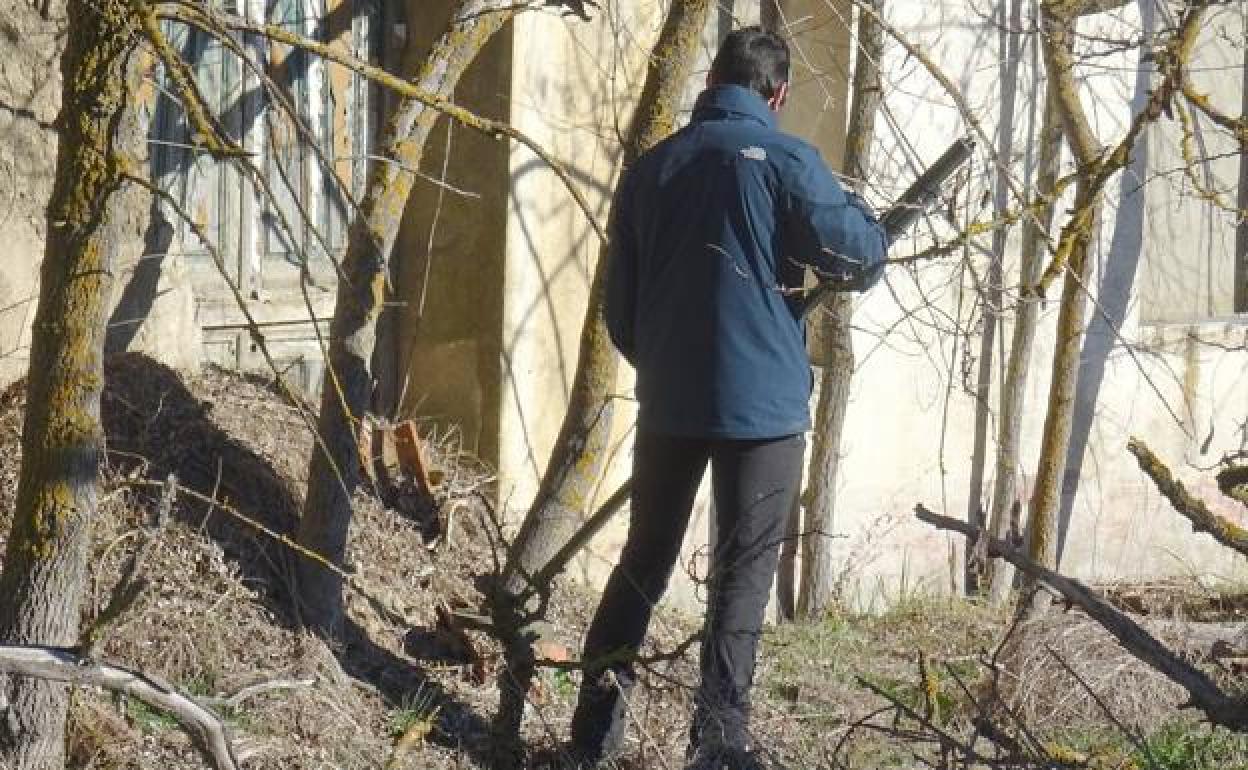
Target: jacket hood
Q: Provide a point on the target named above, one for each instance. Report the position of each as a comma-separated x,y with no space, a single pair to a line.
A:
732,101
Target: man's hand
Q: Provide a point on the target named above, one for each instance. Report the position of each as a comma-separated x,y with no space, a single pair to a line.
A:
575,7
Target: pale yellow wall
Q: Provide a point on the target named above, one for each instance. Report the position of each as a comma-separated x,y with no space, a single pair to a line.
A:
908,436
29,99
819,36
1189,273
574,85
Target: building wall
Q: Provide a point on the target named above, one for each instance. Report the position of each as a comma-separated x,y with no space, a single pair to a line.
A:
30,86
1178,386
1175,373
29,95
450,255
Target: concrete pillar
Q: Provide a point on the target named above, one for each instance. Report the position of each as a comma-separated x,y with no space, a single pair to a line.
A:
819,36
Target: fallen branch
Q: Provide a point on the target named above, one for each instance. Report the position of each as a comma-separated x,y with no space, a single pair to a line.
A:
1188,505
1220,708
60,665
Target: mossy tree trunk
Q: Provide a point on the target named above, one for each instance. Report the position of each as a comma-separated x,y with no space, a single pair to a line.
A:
89,217
1116,286
818,583
579,456
1058,25
333,473
1096,168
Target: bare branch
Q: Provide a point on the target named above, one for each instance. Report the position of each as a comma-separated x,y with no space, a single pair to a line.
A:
1188,505
1171,60
206,134
1220,708
59,665
210,20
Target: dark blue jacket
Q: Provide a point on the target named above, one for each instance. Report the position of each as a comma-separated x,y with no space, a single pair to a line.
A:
710,232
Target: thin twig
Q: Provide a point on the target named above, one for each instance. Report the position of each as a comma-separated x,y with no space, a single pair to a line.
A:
259,688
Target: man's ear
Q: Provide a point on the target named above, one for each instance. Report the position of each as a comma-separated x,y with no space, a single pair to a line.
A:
778,99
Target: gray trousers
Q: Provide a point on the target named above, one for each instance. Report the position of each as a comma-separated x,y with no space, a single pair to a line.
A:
754,484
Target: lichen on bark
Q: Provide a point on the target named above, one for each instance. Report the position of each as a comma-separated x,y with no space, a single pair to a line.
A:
62,438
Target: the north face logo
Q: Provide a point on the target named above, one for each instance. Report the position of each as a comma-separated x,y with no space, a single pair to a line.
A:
754,153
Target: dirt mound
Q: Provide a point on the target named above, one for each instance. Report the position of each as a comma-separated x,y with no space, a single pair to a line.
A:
218,615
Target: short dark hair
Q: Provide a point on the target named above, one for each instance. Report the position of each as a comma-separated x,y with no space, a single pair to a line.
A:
754,58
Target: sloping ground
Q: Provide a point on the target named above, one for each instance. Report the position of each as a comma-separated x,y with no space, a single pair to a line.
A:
217,616
217,619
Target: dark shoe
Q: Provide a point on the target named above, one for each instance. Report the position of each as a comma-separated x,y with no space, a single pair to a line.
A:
725,758
568,758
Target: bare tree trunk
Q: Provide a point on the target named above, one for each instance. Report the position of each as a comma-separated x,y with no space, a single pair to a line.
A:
1096,168
786,567
333,473
1241,230
1010,21
580,451
1006,514
89,220
818,574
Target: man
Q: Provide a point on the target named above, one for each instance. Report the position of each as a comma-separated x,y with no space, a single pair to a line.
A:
711,232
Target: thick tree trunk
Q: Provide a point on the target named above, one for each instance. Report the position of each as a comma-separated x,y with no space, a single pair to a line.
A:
333,473
1058,23
818,589
580,451
818,572
62,438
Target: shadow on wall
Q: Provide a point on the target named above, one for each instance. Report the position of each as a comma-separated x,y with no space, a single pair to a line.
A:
543,328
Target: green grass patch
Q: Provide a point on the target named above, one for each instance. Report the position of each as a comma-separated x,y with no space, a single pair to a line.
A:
149,720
